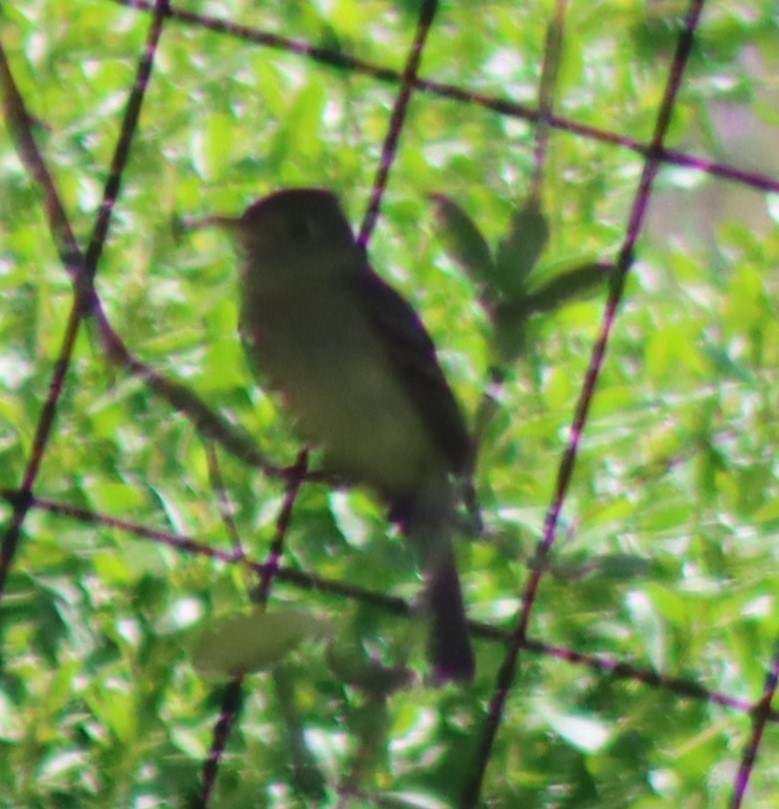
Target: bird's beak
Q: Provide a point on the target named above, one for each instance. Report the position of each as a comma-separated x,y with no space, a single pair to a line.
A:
231,223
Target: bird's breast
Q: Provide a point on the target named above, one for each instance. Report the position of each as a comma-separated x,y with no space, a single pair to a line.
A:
323,355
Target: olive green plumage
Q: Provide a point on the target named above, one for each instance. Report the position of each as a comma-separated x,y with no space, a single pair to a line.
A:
358,373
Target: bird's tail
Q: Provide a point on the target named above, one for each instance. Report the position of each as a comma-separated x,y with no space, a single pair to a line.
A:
428,519
449,644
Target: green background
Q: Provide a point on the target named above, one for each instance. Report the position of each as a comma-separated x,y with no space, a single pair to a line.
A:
666,555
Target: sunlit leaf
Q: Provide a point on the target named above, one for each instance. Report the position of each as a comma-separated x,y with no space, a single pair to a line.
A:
241,644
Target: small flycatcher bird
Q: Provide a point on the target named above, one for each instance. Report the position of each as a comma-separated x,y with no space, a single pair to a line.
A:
358,373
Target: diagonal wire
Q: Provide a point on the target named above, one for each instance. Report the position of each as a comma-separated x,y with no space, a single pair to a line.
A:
655,153
503,106
761,716
82,268
470,796
399,112
686,688
232,695
82,271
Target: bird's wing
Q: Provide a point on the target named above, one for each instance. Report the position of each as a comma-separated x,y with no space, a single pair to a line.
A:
411,355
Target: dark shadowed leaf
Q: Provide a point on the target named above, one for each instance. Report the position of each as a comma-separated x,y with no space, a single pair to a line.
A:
463,241
567,286
519,252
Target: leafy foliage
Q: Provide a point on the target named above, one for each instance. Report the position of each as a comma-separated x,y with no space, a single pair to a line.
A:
666,557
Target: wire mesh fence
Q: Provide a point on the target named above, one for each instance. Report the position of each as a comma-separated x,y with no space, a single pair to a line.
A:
618,160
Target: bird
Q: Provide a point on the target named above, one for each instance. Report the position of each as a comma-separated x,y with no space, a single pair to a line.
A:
357,373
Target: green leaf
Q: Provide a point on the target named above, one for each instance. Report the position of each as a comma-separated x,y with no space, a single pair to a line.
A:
463,241
725,366
519,252
620,566
212,145
568,286
353,667
240,644
509,338
584,733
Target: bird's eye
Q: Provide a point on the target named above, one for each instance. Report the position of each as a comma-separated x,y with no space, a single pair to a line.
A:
301,229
